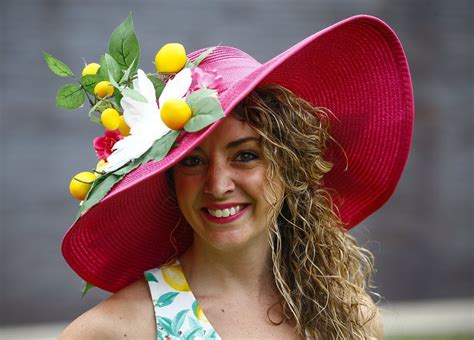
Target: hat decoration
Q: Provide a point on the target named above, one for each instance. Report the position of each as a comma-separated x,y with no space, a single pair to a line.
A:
142,113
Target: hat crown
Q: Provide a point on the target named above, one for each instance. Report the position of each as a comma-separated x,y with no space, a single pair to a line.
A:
229,62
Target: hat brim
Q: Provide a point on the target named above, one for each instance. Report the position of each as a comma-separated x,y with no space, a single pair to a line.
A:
356,68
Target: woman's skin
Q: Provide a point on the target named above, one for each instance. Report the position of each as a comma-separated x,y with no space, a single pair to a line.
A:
228,168
228,266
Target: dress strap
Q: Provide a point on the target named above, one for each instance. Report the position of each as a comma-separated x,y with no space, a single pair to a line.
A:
177,312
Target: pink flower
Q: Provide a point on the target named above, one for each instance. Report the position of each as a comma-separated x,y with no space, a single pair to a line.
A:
103,145
204,79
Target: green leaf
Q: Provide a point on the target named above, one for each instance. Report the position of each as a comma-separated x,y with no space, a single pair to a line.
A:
203,55
129,167
165,323
166,299
134,95
206,109
103,70
150,277
97,106
99,189
126,74
90,81
161,147
212,335
114,83
70,96
178,321
118,97
124,46
158,84
193,333
194,307
193,321
113,68
57,66
86,288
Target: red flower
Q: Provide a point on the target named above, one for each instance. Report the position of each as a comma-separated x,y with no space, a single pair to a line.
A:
103,145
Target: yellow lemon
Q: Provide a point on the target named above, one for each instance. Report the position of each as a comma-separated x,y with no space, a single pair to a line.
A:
171,58
103,89
200,315
99,166
110,118
81,184
123,128
90,69
175,113
174,277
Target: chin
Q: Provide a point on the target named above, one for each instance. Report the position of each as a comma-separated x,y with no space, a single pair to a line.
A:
230,240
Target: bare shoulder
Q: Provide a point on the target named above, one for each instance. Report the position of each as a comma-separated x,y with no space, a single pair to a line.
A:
126,314
372,318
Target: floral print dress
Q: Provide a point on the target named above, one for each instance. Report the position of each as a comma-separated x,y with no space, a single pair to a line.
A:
177,312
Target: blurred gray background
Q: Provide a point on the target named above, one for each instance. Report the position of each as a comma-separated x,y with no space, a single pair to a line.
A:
422,238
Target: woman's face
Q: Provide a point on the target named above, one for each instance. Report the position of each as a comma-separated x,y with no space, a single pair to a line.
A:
220,187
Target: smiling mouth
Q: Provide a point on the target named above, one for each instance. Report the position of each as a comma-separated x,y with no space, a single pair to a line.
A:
225,212
224,215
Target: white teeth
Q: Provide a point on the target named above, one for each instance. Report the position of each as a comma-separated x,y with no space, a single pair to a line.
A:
225,212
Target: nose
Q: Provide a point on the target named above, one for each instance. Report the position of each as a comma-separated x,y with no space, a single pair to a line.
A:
219,180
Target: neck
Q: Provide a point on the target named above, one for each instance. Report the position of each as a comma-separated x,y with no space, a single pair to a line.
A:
246,270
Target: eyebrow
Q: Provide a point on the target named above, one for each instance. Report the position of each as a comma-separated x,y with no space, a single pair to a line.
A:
237,142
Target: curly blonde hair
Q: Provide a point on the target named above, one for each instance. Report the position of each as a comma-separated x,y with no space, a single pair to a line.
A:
320,272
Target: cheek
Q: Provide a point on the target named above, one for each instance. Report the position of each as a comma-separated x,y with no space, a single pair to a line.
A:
185,191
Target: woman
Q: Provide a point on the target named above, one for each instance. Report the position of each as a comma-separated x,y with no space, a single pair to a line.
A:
258,248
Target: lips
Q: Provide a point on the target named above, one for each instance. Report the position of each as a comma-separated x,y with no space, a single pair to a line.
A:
226,212
216,206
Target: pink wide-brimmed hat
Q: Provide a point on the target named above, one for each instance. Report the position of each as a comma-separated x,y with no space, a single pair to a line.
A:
356,68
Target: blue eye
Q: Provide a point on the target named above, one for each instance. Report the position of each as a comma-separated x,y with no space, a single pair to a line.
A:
190,162
246,156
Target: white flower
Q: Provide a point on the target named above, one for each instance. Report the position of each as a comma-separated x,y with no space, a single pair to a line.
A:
144,119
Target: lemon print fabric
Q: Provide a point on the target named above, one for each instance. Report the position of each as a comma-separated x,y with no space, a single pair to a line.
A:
178,314
174,277
198,312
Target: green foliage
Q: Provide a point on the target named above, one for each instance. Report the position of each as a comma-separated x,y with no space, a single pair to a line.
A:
87,286
99,107
166,299
57,66
126,75
194,333
90,81
99,189
178,321
134,95
113,68
200,58
158,84
161,147
70,96
124,46
206,109
117,98
150,277
165,323
103,71
102,185
113,82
